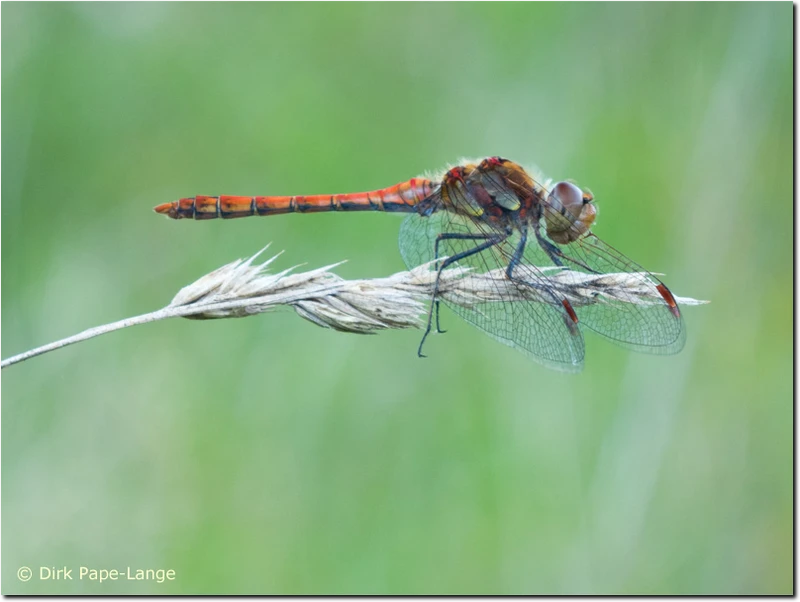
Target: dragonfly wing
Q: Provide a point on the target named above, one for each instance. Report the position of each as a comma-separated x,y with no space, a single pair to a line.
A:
650,323
653,327
540,330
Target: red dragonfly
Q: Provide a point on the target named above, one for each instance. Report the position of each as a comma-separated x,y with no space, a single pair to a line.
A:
492,215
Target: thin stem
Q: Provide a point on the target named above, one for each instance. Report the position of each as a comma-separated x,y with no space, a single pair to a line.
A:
87,334
161,314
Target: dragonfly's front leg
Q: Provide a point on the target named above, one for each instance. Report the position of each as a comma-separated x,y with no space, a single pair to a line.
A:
570,317
489,241
555,254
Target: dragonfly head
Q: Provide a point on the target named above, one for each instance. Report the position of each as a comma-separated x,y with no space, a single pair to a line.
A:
569,212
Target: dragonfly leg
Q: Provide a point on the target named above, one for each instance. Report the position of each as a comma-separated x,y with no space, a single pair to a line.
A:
490,241
554,253
570,318
517,252
451,236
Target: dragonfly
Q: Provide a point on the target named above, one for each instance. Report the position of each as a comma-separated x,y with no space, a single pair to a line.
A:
493,217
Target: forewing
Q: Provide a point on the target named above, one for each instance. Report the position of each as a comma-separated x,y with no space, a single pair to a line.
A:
650,326
538,329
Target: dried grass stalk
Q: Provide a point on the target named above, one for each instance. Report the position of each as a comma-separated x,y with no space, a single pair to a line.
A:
244,288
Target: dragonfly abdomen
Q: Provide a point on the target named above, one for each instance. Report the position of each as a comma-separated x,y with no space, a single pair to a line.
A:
402,198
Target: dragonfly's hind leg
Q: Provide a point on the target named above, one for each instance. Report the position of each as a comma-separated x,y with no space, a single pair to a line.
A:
450,236
490,241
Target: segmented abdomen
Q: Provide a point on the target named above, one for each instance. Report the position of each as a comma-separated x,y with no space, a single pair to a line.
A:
401,197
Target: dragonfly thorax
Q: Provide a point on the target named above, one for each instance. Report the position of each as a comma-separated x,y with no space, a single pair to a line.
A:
500,193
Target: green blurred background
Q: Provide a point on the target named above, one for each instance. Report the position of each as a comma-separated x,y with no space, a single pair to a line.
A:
267,455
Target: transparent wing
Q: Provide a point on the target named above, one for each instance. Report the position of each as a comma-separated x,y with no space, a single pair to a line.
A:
652,327
538,329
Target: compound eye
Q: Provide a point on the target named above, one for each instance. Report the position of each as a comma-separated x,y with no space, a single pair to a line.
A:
568,196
